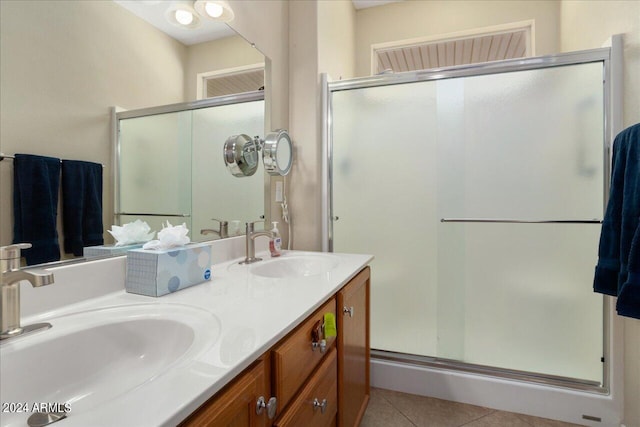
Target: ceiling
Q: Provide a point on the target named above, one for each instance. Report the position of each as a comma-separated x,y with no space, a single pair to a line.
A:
152,11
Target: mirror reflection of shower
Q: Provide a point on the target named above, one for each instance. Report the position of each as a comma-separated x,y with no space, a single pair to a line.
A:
169,165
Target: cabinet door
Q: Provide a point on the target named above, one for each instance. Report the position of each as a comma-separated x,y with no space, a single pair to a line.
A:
317,403
294,359
235,405
353,350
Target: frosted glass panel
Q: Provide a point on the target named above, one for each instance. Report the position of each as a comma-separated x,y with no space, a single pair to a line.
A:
525,145
155,164
384,185
528,145
523,294
217,193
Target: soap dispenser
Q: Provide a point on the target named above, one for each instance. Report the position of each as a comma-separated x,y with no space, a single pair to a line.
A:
275,244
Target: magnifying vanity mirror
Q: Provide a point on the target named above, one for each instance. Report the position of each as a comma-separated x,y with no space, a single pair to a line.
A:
277,153
241,154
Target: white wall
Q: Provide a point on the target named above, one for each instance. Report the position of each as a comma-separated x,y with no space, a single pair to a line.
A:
337,44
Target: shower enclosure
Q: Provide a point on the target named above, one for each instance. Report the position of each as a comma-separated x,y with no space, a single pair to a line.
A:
170,164
480,191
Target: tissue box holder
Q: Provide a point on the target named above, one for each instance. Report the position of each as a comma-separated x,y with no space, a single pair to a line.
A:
91,251
159,272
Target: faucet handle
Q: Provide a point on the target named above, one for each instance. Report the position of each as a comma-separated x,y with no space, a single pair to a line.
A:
13,251
251,224
221,221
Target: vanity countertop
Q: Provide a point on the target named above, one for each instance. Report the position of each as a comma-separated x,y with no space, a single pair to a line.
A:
249,314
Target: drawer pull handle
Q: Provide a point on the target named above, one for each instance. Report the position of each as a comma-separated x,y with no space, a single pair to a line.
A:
270,406
348,310
322,405
322,345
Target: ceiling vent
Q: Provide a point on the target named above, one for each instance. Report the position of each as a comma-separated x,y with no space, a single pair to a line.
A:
234,82
413,55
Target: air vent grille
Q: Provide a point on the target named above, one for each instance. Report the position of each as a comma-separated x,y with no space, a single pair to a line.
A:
237,82
460,51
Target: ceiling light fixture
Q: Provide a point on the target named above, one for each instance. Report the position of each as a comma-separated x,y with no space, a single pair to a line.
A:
218,10
182,14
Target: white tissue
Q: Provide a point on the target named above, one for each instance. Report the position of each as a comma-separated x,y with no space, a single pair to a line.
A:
132,233
169,237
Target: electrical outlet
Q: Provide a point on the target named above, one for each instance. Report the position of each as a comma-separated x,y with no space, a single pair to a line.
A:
279,197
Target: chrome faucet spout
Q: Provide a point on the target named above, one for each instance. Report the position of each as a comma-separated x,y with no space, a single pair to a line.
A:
250,244
12,275
36,277
222,232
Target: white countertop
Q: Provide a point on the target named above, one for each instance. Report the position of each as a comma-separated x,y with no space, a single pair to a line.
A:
253,313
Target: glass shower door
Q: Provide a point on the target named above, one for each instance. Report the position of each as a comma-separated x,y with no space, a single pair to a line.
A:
526,147
449,184
384,192
155,164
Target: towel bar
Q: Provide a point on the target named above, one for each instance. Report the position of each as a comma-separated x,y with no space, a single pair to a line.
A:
6,156
151,214
523,221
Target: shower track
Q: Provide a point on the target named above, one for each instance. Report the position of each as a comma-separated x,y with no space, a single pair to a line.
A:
508,374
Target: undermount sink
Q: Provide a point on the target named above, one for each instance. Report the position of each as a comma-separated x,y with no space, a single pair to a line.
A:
92,357
296,266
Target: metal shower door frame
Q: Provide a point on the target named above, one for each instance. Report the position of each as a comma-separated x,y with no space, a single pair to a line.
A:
604,55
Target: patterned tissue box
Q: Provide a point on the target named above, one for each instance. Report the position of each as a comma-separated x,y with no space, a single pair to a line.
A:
159,272
92,251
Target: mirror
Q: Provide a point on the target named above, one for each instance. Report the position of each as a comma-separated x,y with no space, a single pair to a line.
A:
64,64
177,155
277,153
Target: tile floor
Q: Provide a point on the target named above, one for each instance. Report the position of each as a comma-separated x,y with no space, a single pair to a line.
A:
394,409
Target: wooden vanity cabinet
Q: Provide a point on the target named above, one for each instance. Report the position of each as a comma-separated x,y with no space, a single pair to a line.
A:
313,387
235,405
353,349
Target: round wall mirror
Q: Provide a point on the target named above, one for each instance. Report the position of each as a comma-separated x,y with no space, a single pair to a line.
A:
277,153
241,155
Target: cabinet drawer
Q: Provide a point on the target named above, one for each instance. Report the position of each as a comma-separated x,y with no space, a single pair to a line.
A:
322,389
295,358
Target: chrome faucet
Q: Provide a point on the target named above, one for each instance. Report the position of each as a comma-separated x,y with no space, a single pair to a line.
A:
250,245
10,284
222,232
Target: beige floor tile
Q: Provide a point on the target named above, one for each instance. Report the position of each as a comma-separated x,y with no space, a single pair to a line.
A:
427,411
380,413
499,419
545,422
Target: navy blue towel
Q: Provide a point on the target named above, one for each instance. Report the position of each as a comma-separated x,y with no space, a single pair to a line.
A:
81,205
628,303
622,215
36,183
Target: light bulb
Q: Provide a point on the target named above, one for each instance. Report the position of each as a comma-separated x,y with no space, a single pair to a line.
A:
184,17
214,10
